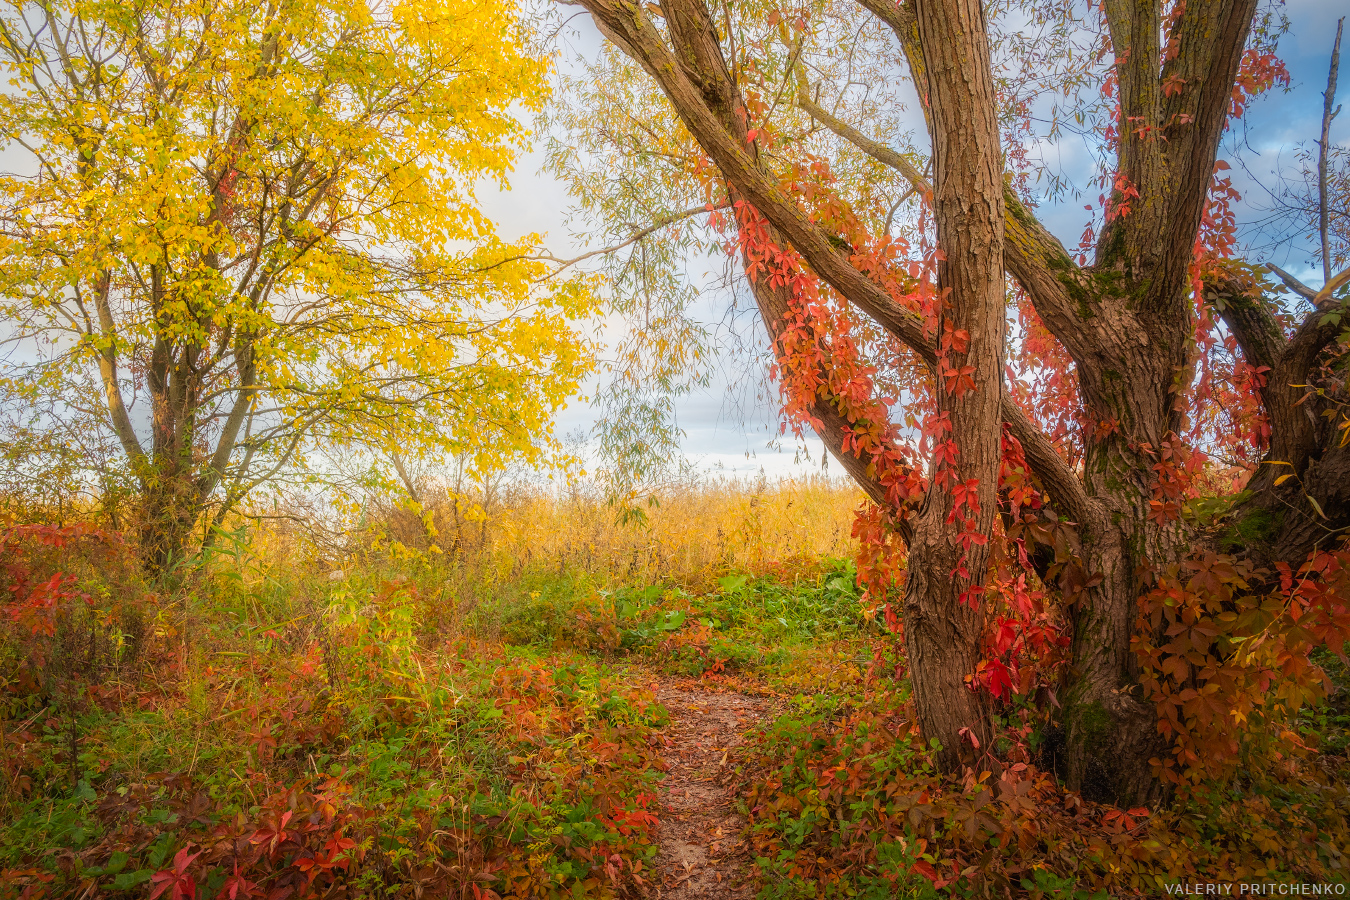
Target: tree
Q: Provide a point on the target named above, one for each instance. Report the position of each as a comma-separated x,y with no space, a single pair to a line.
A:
1144,369
249,237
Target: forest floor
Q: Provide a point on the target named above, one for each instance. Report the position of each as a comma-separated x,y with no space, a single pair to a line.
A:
553,737
703,852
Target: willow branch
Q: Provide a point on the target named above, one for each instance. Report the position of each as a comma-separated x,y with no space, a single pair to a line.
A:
875,149
660,223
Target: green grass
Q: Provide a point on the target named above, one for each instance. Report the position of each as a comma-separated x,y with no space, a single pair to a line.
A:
786,636
1328,723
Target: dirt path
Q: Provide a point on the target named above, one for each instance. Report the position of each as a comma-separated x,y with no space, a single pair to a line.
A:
703,852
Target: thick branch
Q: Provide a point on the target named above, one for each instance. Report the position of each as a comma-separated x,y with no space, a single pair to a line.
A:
1296,431
107,370
1044,269
1170,131
1240,301
1293,283
830,426
229,435
1135,29
1061,483
875,149
628,25
1211,41
1314,334
1031,254
968,214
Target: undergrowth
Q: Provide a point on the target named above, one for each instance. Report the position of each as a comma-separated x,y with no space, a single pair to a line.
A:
843,802
311,737
262,725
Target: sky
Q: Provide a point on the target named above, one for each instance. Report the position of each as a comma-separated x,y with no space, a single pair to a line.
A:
728,431
727,428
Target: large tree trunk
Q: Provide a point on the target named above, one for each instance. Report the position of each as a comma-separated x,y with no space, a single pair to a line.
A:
1111,730
1130,343
172,493
1130,399
943,611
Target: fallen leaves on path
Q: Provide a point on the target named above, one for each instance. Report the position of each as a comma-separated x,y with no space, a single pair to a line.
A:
703,848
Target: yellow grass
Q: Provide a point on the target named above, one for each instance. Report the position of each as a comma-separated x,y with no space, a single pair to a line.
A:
690,535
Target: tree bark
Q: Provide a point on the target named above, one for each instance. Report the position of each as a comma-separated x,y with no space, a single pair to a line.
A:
169,507
944,619
1299,499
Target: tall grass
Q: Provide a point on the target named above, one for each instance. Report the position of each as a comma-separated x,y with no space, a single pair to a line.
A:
690,533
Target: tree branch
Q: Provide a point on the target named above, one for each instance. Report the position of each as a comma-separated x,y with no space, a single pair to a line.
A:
875,149
661,222
1135,30
832,428
1031,254
107,370
1293,283
1061,483
1323,144
628,26
1288,366
1239,298
229,434
1160,230
1313,335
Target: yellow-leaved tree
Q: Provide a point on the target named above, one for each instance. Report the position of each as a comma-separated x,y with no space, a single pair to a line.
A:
248,236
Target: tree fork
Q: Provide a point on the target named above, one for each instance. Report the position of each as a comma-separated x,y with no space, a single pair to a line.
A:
1125,321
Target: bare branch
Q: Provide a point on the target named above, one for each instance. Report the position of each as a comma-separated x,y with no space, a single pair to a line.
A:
1328,114
660,223
878,151
1292,283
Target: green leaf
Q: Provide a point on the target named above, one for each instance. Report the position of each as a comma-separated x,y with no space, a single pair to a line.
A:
732,583
129,880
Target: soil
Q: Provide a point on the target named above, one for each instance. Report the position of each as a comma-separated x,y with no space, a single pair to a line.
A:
704,852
